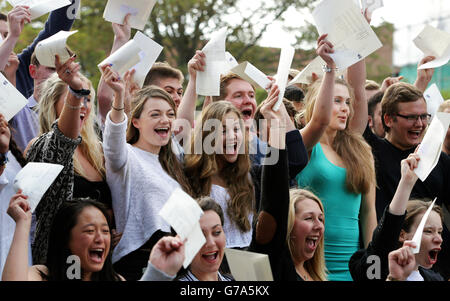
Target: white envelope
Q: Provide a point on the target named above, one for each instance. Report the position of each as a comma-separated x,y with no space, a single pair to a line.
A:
284,65
430,148
371,5
208,81
417,238
116,10
56,44
231,62
40,7
434,42
249,266
251,74
11,100
347,29
124,58
183,213
34,180
148,56
434,99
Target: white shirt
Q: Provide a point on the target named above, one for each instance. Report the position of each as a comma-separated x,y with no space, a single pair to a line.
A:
139,188
235,237
415,276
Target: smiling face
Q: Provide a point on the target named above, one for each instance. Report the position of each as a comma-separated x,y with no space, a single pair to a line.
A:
86,105
405,134
341,108
172,86
242,95
90,240
154,125
308,229
206,263
232,137
430,245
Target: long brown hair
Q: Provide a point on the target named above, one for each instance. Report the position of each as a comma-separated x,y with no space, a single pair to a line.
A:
350,146
200,168
167,158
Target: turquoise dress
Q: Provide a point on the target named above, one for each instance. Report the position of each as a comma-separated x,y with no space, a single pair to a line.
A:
341,207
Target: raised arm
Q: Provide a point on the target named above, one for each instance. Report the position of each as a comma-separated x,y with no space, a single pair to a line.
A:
105,94
424,75
320,119
356,78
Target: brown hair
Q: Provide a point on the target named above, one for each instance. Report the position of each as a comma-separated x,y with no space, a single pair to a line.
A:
200,168
416,208
162,70
167,158
398,93
224,81
371,85
350,146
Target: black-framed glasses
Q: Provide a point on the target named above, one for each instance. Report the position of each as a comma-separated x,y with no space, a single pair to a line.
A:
414,118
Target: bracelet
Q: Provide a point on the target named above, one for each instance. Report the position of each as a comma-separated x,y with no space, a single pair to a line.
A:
327,69
68,105
390,278
117,109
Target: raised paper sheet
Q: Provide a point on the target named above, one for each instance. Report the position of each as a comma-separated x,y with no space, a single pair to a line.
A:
249,266
56,44
417,238
251,74
430,148
315,66
124,58
208,81
434,99
371,5
116,10
284,66
183,213
434,42
346,28
40,7
150,52
230,60
11,100
34,180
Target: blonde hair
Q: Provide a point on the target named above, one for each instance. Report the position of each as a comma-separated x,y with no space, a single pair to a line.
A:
316,265
200,168
444,106
52,90
350,146
167,158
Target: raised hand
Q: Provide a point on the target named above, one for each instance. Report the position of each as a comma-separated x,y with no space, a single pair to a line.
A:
113,80
424,75
19,208
196,63
407,168
389,81
5,135
324,48
68,72
122,32
168,255
17,18
402,261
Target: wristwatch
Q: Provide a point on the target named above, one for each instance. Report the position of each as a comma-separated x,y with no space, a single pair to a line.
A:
327,69
3,159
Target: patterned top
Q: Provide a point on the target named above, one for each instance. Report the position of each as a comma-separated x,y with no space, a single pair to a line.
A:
52,147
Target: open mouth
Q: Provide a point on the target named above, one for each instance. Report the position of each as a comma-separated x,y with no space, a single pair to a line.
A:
414,134
211,257
163,132
231,148
312,242
432,255
96,255
247,113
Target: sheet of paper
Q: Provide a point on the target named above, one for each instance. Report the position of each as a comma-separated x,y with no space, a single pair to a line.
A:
148,56
116,10
284,65
432,41
371,5
438,62
11,100
417,238
124,58
40,7
56,44
433,98
34,180
430,148
346,28
251,74
183,213
208,81
344,58
231,61
249,266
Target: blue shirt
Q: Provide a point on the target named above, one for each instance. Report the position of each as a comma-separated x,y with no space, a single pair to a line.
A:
26,124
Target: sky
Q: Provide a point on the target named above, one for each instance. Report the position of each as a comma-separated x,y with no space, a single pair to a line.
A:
408,16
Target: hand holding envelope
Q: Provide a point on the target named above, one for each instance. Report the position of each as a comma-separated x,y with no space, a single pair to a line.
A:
434,42
11,100
55,45
116,10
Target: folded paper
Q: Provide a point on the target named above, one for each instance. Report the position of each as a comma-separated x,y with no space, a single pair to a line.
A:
371,5
251,74
417,238
124,58
249,266
284,66
56,44
347,30
430,148
11,100
208,81
434,42
34,180
148,55
139,10
183,213
40,7
433,98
